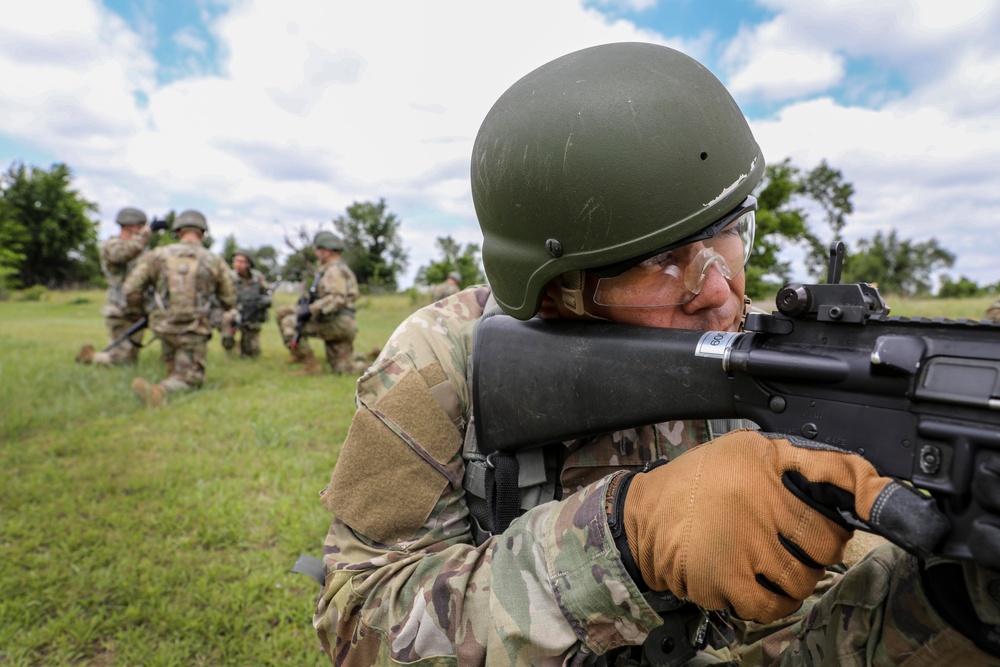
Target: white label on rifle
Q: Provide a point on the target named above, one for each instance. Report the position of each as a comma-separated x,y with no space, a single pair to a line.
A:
715,343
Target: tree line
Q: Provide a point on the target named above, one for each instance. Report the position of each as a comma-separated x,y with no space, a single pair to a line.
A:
48,238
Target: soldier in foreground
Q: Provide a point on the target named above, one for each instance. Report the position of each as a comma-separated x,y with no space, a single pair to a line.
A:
119,255
326,312
736,537
993,312
184,277
253,301
447,288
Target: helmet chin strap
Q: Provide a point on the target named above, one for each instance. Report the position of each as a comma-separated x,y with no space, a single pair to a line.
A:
571,290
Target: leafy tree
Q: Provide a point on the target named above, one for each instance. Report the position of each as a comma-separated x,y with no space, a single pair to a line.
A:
826,186
229,247
962,288
265,258
779,224
465,261
373,248
45,228
301,262
897,266
266,261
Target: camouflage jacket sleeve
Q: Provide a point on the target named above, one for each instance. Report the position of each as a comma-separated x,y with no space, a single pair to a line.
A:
137,280
225,289
265,298
118,251
405,581
337,289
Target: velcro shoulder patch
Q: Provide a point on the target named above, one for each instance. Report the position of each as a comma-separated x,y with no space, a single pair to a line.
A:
393,466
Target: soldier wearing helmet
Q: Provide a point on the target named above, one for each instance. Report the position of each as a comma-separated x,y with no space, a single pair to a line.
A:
253,301
451,285
185,278
118,256
326,312
613,183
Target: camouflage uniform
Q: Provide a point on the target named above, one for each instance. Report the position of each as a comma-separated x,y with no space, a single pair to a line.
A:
443,290
253,300
183,334
332,319
406,581
993,312
118,257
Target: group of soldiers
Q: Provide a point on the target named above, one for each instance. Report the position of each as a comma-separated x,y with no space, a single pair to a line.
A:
183,291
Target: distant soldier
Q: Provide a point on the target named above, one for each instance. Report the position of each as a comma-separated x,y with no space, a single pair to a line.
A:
993,312
253,300
448,287
119,255
184,277
326,312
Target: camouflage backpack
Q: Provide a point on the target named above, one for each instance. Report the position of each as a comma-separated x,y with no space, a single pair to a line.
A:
182,302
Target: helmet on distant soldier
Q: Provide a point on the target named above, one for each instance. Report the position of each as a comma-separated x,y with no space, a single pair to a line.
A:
600,157
191,219
456,276
130,216
328,241
244,253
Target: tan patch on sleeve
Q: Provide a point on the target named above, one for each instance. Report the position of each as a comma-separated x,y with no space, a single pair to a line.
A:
443,393
859,546
392,467
381,487
415,412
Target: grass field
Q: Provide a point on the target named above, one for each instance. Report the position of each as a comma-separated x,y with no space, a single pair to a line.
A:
131,536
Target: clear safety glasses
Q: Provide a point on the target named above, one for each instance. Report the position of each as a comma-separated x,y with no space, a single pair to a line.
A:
676,274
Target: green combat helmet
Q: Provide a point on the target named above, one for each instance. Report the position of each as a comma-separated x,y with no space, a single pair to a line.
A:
130,216
456,276
191,219
602,156
244,253
329,241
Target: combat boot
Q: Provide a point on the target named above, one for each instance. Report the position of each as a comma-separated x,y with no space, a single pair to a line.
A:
310,365
152,395
228,343
295,356
85,355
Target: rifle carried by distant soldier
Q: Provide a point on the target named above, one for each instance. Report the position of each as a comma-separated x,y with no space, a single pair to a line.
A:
918,398
253,309
133,328
303,314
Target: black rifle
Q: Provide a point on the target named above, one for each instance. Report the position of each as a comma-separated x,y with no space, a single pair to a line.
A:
918,398
304,314
138,325
254,313
159,225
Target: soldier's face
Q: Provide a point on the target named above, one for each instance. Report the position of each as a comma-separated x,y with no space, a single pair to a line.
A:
717,307
129,230
241,265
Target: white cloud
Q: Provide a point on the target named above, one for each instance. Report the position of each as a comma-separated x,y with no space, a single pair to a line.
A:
319,104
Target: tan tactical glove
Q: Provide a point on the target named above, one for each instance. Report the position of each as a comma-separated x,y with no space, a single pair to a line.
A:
749,522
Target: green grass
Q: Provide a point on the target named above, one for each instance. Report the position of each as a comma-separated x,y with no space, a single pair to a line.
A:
164,537
161,537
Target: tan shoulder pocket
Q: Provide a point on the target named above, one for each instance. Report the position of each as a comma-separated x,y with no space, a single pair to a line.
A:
393,466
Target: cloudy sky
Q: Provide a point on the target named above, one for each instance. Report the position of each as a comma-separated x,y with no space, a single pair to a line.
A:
272,114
